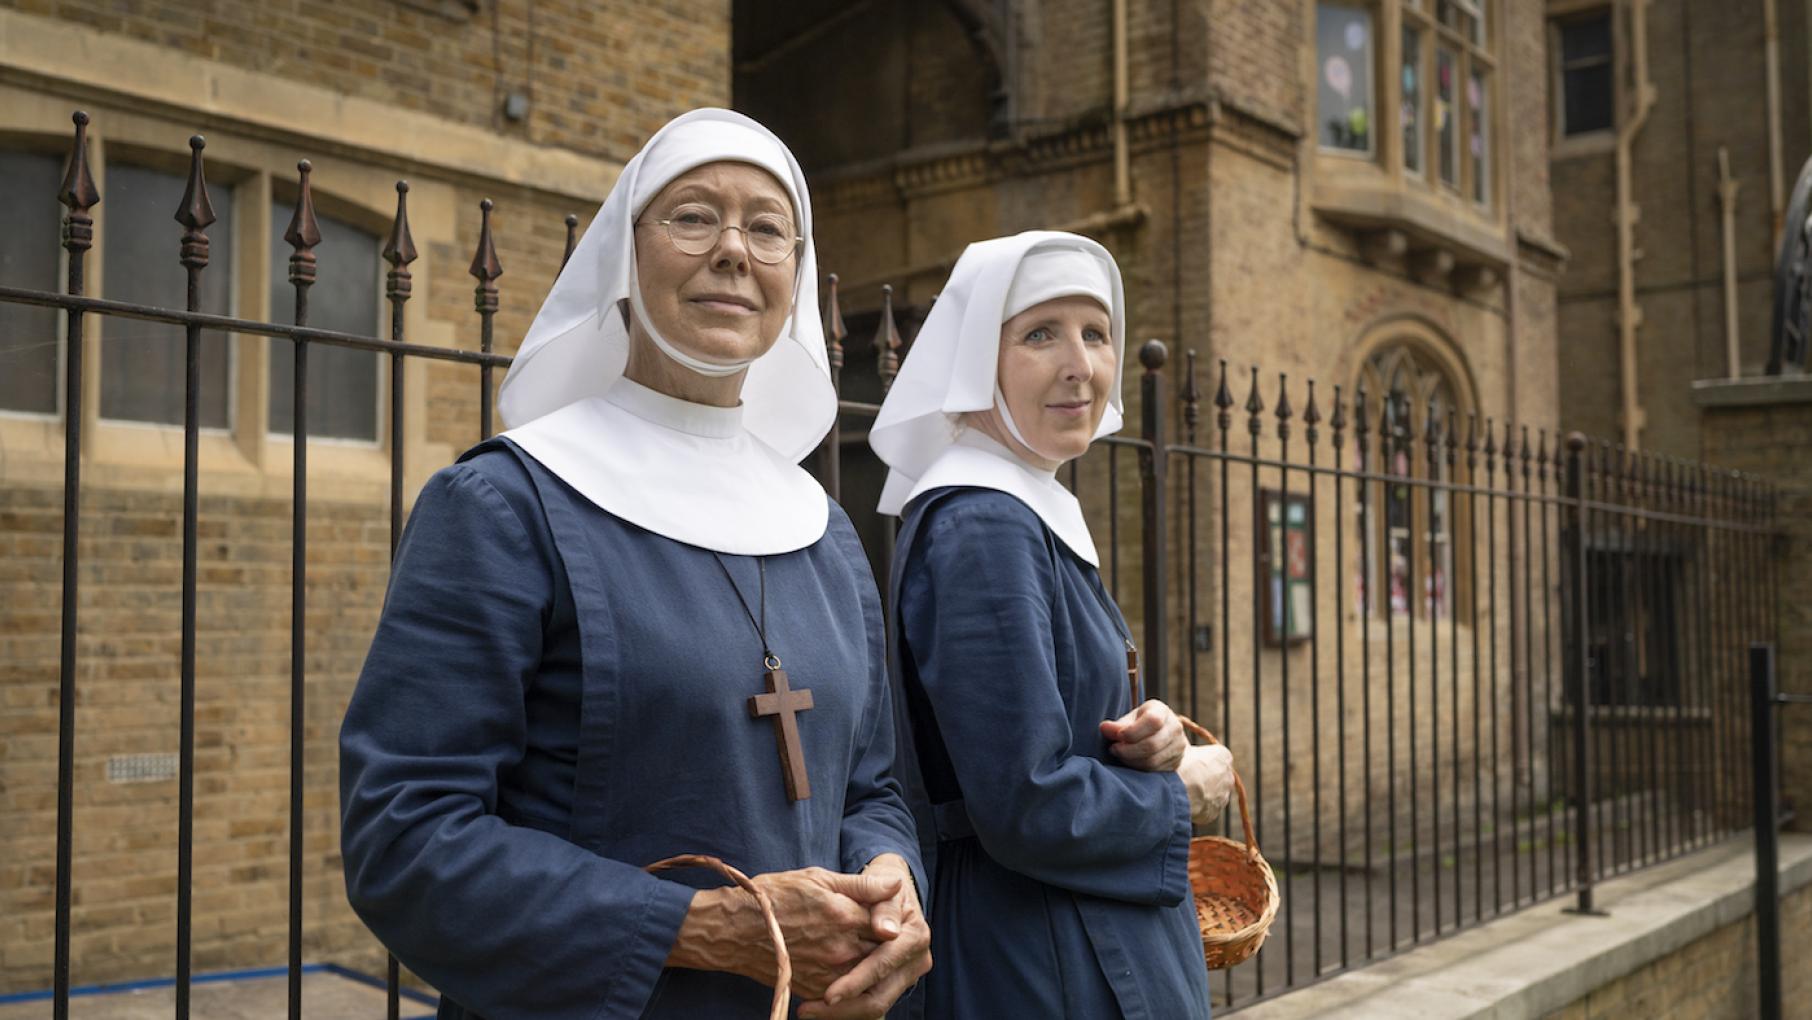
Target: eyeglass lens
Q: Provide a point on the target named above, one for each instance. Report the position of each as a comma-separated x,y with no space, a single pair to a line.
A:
695,229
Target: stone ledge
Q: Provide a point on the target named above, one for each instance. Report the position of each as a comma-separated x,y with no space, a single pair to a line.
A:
1532,963
1753,391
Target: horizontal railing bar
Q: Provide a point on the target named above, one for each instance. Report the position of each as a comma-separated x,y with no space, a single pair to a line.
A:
229,324
1515,495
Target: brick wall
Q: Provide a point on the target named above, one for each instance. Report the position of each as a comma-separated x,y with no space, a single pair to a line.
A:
128,653
1710,979
1706,64
1775,442
601,76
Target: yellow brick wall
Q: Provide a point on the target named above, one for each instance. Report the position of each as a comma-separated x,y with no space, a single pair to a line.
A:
600,77
1713,978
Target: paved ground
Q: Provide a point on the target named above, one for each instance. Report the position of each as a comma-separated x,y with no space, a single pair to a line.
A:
1497,874
325,996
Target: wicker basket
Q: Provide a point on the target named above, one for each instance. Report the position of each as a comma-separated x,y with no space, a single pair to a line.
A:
783,982
1235,892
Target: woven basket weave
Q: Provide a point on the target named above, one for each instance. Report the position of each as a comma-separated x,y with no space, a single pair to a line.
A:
1235,892
783,977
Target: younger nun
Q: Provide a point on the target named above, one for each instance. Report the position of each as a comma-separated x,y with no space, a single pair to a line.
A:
1060,813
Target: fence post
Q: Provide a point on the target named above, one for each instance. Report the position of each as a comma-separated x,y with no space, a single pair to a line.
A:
1151,488
1579,673
1767,836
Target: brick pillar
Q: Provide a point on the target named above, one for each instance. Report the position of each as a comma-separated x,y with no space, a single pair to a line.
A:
1764,426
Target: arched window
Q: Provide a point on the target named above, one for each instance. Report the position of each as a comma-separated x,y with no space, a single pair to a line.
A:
1408,529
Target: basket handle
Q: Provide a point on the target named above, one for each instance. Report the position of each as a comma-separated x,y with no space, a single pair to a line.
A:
1239,787
783,980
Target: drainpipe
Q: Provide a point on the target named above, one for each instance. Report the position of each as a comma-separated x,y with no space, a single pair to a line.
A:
1629,315
1122,162
1772,34
1727,196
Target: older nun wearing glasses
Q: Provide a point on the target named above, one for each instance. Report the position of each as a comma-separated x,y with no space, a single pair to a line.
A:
632,627
1056,813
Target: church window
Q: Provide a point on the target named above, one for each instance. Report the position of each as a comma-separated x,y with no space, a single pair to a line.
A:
343,399
1432,101
142,363
1406,528
1343,51
1584,73
30,337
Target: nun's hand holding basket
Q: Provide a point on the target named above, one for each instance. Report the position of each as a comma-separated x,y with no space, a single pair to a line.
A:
1235,892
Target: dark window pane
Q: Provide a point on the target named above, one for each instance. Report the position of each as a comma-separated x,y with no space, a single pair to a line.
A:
1586,38
342,383
28,258
142,362
1478,124
1588,99
1343,57
1446,131
1412,100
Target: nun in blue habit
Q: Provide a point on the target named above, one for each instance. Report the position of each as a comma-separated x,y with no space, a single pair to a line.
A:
632,627
1056,813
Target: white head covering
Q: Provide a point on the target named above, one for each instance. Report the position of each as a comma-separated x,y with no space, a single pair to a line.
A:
662,463
952,370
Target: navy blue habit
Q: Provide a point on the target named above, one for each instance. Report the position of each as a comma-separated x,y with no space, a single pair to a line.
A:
555,698
1060,883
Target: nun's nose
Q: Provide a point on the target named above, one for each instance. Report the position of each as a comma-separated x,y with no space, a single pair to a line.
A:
732,252
1077,364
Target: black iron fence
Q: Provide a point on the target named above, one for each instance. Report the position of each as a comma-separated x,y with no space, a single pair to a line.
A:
1466,666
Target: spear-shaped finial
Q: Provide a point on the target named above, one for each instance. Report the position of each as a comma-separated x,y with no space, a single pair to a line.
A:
887,341
196,212
1223,402
1255,406
834,329
485,267
399,249
304,232
1283,411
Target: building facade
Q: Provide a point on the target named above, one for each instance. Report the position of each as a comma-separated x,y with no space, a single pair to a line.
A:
1677,130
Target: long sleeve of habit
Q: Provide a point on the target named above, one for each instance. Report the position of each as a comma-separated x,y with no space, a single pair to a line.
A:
510,920
986,600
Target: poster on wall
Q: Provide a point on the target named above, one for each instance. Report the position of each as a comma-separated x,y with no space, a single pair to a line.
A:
1289,556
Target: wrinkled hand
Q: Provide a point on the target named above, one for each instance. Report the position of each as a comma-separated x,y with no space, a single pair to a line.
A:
1148,738
1207,774
901,958
826,917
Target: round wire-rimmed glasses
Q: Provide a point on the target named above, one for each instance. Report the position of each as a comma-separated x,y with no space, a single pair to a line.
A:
694,230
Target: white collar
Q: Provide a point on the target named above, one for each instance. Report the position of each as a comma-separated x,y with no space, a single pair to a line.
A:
689,472
974,459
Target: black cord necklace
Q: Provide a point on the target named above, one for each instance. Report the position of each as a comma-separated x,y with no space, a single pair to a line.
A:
781,702
1132,650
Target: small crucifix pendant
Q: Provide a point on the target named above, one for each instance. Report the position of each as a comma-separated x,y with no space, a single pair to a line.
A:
1132,674
785,704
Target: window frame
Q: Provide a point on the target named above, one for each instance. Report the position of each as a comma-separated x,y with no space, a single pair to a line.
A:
1387,165
1603,139
245,457
1437,366
29,142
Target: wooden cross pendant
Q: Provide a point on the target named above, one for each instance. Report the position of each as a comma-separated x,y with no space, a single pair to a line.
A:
1132,674
785,704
